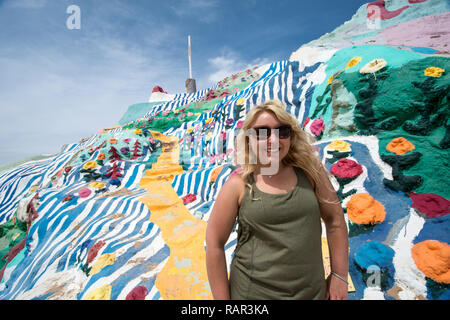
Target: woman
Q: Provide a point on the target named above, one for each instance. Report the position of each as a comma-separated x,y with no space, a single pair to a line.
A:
278,254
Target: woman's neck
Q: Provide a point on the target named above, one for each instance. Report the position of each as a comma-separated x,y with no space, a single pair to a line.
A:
263,169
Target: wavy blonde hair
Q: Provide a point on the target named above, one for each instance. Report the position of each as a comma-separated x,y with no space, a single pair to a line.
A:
300,154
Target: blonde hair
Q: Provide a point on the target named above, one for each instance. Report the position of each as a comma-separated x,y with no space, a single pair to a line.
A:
300,152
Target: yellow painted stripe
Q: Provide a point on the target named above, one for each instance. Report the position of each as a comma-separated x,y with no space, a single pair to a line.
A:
184,275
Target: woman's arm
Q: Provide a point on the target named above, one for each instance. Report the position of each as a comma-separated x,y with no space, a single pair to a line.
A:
337,236
220,224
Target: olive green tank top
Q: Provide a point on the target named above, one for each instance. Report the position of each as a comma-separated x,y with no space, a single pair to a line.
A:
279,250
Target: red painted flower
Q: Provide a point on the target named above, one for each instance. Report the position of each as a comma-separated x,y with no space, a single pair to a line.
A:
430,204
306,122
68,198
189,198
137,293
67,169
346,168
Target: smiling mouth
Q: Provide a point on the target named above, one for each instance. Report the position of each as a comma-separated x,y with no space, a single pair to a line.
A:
273,150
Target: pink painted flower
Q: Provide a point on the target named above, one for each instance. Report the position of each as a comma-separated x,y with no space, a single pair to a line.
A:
239,124
317,127
236,171
223,135
84,193
212,159
126,140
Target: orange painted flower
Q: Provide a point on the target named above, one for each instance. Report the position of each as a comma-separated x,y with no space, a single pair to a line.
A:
215,173
400,146
362,208
432,257
112,140
101,156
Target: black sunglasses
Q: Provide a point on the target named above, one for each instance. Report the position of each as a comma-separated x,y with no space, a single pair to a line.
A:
263,133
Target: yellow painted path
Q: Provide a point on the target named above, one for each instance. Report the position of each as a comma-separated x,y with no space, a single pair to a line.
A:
184,275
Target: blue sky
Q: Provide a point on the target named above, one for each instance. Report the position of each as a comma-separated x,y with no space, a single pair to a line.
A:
59,85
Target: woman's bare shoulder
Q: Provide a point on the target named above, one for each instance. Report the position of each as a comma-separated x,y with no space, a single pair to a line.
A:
237,184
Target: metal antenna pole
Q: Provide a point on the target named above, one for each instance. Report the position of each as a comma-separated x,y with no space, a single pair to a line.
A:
190,64
190,82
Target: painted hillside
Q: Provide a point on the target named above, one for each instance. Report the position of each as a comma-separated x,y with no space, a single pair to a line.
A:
122,214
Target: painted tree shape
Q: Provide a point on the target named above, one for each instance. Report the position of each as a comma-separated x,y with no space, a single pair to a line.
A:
210,95
114,172
433,111
115,156
399,163
136,150
238,108
364,115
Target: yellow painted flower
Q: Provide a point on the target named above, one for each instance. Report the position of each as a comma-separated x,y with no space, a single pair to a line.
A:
98,185
90,165
208,136
353,62
176,111
197,113
240,101
101,293
329,80
207,121
373,66
189,130
137,131
434,72
104,260
339,145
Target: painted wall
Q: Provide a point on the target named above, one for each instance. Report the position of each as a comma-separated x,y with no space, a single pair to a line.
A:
123,214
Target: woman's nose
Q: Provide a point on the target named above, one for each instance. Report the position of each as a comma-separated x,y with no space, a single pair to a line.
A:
273,139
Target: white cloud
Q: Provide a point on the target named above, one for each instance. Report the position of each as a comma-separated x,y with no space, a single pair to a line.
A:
228,63
201,10
25,3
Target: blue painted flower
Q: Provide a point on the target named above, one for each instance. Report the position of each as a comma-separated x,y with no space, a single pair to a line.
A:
374,253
